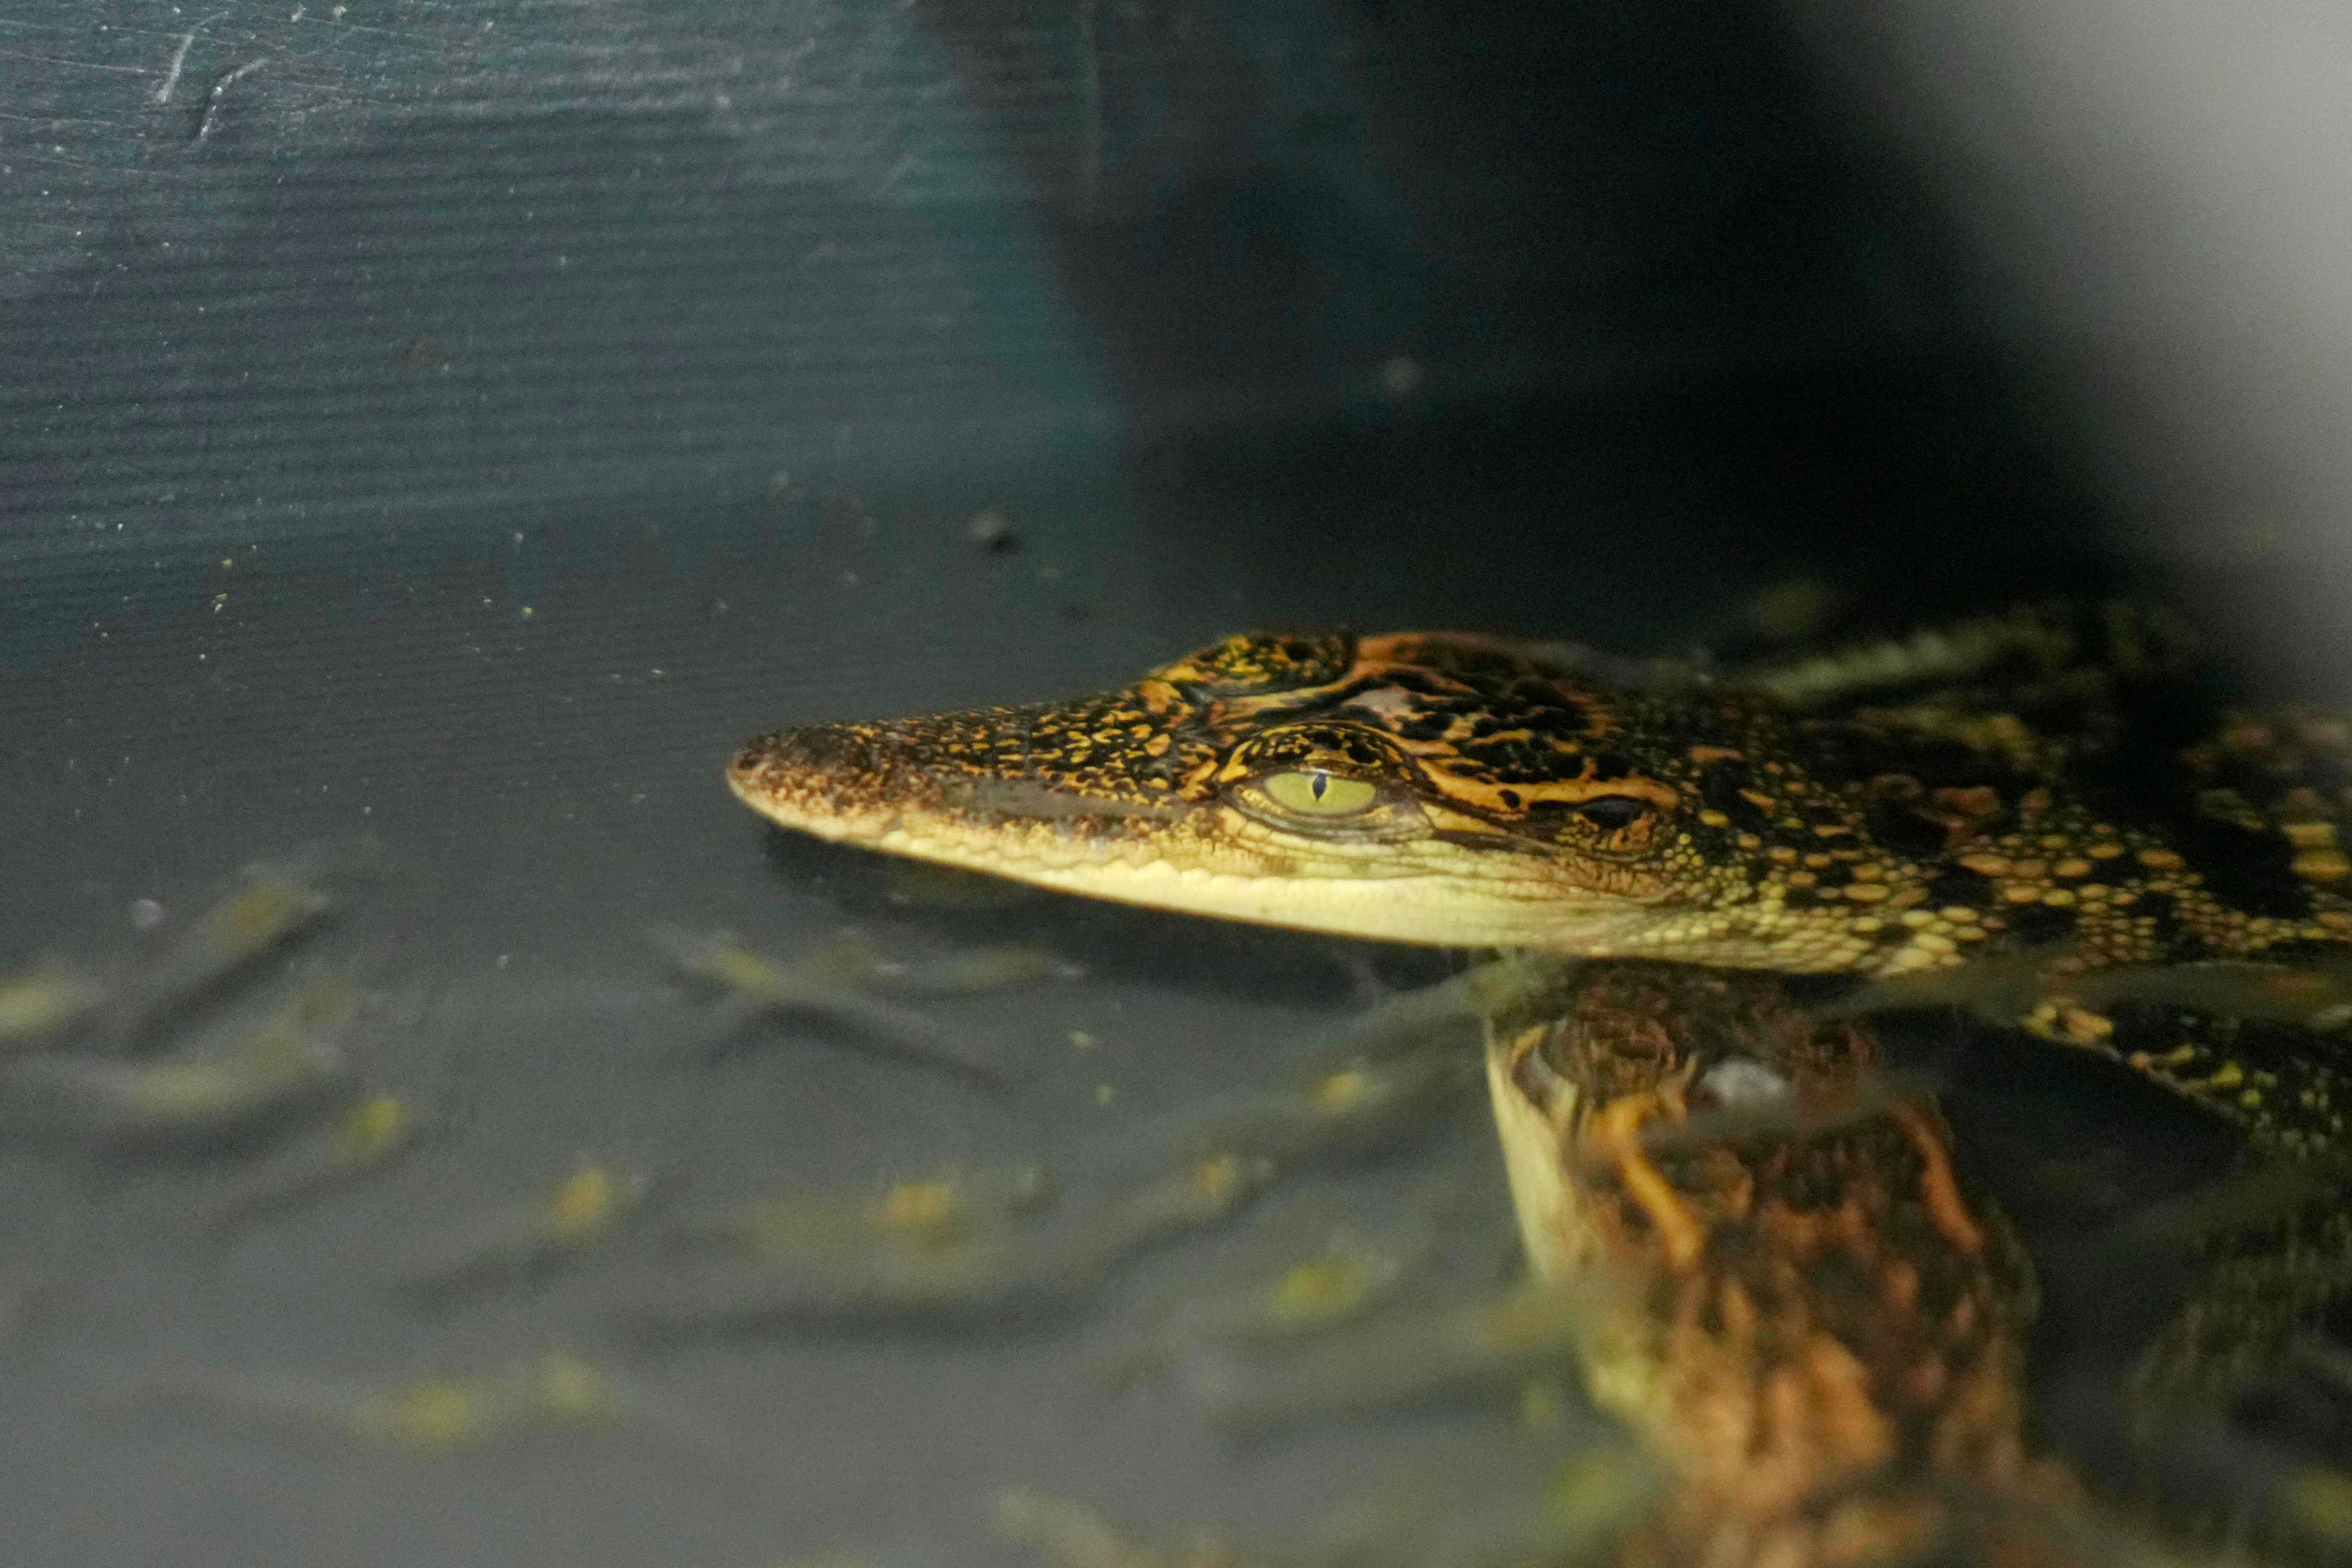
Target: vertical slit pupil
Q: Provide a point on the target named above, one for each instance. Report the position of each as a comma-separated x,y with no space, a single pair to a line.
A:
1612,812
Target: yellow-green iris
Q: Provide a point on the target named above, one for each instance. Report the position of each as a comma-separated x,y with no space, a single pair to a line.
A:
1311,792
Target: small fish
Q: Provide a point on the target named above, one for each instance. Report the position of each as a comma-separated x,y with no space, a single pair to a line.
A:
1485,1346
1787,1115
2317,995
272,911
825,984
935,1248
195,1100
1071,1535
435,1415
1191,1194
973,973
1505,1504
930,1214
931,1252
2267,1194
1440,1017
1349,1110
40,1002
1294,1298
512,1242
361,1140
966,1287
918,884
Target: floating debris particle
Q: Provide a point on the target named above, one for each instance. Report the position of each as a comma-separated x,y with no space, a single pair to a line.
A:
991,530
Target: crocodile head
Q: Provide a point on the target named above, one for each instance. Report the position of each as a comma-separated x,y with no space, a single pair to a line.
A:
1417,788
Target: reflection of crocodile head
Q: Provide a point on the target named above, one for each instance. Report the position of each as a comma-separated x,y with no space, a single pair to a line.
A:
1789,1292
1421,789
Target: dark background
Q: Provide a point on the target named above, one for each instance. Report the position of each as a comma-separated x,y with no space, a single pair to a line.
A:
459,423
703,330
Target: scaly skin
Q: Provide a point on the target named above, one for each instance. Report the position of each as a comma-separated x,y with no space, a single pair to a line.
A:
1515,801
2013,792
2023,791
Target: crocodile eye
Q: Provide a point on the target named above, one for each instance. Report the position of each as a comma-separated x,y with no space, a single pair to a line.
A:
1341,783
1312,792
1613,813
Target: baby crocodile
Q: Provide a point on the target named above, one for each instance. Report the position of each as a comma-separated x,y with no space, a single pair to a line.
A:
2031,794
2028,788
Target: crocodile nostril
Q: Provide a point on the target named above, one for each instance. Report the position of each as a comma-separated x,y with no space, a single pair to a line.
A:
799,762
825,748
835,751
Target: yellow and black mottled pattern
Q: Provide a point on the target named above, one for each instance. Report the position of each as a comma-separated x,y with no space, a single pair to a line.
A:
2046,789
1515,800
